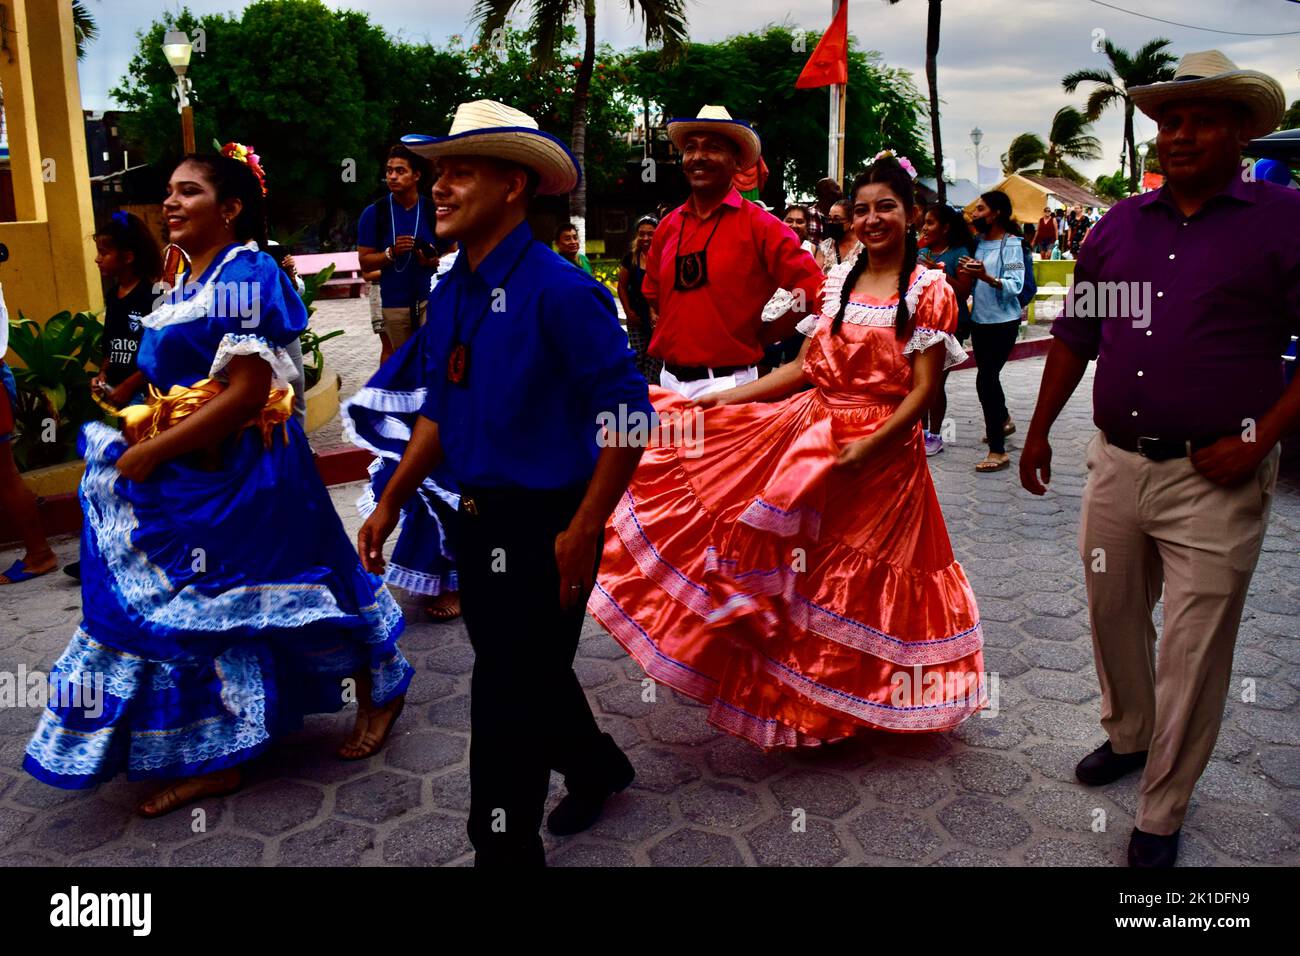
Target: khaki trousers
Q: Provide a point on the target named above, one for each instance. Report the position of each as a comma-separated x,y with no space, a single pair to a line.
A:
1151,523
398,324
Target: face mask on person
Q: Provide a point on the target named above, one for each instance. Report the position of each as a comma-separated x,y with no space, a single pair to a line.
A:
981,225
835,230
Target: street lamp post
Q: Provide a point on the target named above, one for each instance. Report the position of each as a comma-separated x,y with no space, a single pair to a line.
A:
976,137
1143,149
177,49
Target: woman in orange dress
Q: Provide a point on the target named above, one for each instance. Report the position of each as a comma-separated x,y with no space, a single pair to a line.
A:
787,564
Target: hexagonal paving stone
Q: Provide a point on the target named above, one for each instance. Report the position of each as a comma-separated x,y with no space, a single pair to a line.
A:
1233,784
433,839
1055,628
732,757
721,805
984,823
691,847
1057,656
11,824
451,659
1270,726
998,733
625,699
1247,834
896,834
590,855
451,790
775,843
1232,744
596,643
1282,765
1067,688
332,843
822,794
276,807
988,773
964,858
908,783
451,713
79,827
41,796
593,673
1054,852
680,725
909,746
1252,662
995,609
223,849
1075,809
662,770
1056,760
429,686
119,854
378,796
424,752
1064,721
632,817
625,733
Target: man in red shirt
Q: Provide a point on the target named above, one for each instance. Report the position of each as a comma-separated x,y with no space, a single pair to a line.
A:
716,260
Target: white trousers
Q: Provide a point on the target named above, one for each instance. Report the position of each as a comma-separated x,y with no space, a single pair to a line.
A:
706,386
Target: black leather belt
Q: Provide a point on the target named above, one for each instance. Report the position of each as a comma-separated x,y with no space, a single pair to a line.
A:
476,501
693,373
1160,449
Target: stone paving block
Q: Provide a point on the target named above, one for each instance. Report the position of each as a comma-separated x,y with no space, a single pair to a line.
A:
12,823
1004,662
998,733
988,773
590,855
719,805
378,796
691,847
624,731
332,843
680,725
986,823
1053,685
78,827
663,770
967,858
1060,721
451,713
1075,808
451,790
594,673
1252,662
276,807
907,783
1056,852
1056,760
1234,784
897,834
1281,765
1247,834
625,698
822,794
41,796
633,817
775,843
1057,656
596,643
425,752
451,659
429,686
1232,744
1270,726
122,855
732,757
1067,630
223,849
432,839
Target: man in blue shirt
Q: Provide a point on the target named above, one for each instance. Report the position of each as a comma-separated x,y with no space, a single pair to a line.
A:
529,356
395,236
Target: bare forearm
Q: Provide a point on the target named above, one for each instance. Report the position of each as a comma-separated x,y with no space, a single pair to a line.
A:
614,469
785,381
371,260
1061,376
1283,418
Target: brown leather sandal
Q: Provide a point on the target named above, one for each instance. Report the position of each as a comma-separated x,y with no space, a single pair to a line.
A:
191,790
366,751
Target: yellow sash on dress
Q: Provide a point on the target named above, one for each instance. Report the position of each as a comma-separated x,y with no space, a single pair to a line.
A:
160,412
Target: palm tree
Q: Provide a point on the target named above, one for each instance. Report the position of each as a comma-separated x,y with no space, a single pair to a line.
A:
84,27
1070,138
932,79
1151,64
665,22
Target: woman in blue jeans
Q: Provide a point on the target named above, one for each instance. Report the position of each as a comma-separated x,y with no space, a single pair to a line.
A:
998,272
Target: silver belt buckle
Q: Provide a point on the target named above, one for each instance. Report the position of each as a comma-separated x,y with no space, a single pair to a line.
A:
1141,449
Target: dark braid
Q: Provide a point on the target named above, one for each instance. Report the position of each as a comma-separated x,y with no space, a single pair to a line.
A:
888,172
903,317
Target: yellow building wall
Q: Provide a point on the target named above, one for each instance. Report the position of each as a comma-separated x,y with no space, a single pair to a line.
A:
51,264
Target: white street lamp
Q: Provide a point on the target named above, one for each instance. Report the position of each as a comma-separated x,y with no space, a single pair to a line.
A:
177,49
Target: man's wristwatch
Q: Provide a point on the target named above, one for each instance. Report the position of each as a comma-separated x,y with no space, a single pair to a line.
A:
388,254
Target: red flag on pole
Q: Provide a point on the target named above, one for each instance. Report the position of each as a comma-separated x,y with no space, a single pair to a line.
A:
829,63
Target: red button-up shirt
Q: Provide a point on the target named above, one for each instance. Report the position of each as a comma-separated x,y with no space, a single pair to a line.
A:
751,256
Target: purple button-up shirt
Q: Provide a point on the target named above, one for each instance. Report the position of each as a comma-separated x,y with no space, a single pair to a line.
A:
1197,310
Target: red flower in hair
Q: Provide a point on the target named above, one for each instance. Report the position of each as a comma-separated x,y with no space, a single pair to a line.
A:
249,158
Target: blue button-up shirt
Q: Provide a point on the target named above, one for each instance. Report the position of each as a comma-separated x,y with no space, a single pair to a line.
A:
547,358
1187,316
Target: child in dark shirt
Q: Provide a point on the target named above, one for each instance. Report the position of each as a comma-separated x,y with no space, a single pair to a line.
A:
130,260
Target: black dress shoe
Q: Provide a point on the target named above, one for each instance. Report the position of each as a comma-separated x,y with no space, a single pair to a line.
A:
1152,851
581,807
73,570
1104,766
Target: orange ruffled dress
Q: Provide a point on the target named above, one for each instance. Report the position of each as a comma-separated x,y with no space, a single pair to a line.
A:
799,601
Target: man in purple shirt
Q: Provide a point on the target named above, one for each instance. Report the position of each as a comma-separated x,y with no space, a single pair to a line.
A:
1186,297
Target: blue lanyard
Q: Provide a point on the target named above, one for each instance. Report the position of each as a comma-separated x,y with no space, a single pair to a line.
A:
392,218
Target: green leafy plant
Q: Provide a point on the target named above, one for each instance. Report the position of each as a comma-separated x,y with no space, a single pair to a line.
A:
54,385
310,340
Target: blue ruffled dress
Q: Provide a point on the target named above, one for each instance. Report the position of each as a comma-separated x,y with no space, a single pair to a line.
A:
379,418
218,607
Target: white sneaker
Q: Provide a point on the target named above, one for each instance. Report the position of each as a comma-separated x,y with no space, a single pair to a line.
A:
933,445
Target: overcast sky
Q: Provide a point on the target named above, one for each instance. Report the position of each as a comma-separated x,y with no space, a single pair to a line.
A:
1000,61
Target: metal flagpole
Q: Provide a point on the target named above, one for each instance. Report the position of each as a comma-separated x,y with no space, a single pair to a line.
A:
835,137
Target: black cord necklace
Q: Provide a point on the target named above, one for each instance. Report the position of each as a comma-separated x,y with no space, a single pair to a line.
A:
692,269
458,359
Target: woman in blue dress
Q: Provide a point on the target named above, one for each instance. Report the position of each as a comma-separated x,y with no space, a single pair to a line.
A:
221,597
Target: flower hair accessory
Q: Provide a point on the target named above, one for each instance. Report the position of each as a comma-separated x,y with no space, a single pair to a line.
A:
249,158
902,160
122,218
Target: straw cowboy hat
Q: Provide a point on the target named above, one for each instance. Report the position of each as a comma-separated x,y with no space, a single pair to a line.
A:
489,128
716,119
1211,75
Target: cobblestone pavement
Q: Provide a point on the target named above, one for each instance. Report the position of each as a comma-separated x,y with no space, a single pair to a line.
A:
994,792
